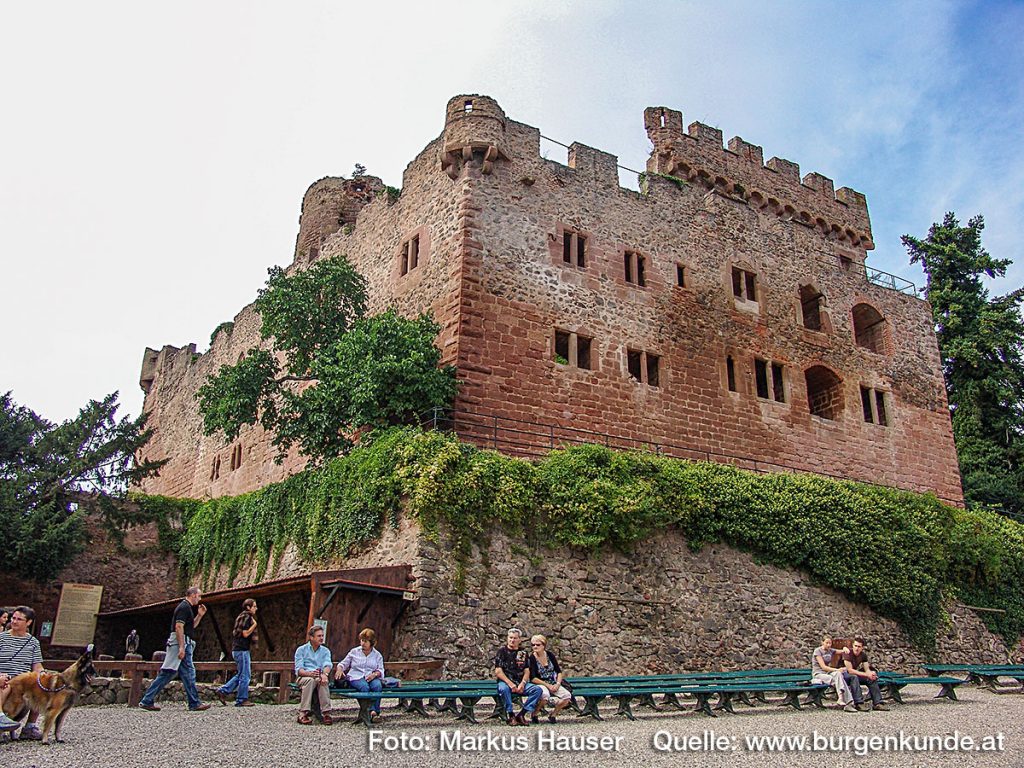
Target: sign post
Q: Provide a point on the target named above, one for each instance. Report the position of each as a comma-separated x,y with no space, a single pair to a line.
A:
76,614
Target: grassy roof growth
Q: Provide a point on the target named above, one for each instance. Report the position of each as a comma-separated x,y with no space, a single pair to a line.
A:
901,552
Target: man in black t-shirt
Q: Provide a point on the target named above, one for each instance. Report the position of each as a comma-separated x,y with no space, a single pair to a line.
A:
512,669
858,673
178,660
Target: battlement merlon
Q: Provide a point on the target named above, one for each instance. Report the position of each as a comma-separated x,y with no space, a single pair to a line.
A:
699,156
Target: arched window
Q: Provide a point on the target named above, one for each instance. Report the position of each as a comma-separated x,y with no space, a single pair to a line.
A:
812,303
824,392
870,330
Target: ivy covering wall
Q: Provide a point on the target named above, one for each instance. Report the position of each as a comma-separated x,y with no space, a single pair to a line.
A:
898,552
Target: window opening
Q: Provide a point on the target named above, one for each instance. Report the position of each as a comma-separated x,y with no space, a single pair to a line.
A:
778,385
824,392
633,364
761,377
744,284
730,373
869,328
680,276
810,307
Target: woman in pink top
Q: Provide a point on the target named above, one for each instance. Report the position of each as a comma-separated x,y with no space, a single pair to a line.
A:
363,667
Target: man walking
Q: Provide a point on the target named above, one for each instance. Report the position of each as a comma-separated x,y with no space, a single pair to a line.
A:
178,661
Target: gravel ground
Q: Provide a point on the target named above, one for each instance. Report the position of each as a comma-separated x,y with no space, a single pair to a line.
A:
267,735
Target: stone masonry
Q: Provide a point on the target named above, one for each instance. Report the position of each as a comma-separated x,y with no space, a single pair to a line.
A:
724,311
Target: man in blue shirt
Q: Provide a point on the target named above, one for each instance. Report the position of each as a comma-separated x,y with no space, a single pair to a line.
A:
312,670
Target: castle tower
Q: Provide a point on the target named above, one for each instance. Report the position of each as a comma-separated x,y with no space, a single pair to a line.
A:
328,205
474,132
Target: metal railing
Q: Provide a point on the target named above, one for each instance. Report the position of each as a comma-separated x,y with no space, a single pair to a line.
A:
532,439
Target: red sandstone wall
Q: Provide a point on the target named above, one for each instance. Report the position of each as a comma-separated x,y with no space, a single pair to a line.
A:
520,291
490,212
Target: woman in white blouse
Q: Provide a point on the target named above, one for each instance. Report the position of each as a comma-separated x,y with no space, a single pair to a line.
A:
363,667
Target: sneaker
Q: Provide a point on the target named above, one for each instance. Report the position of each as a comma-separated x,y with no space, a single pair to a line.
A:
201,708
851,707
863,707
6,724
149,707
882,707
30,733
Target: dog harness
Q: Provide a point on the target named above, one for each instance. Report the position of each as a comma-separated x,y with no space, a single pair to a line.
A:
39,682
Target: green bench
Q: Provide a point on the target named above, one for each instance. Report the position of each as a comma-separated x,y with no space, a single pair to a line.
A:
986,675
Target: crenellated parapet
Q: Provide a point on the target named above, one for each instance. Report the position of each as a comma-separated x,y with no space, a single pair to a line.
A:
330,204
474,132
739,171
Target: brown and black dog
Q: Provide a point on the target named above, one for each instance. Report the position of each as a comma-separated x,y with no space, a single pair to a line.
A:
51,694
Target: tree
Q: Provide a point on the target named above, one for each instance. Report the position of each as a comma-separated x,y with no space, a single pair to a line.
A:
981,342
46,468
329,370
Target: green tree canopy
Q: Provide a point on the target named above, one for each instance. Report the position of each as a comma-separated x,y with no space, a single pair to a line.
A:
44,470
327,370
981,342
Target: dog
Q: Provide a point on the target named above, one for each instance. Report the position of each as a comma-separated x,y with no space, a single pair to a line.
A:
50,693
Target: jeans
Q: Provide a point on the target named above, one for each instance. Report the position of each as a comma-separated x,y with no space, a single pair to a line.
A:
531,695
240,681
856,682
186,671
374,685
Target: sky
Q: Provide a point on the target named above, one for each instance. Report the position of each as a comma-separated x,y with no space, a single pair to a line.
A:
153,156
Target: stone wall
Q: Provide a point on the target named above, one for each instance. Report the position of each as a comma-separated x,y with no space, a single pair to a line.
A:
489,214
661,609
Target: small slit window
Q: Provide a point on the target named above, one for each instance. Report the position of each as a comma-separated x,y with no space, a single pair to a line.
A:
730,373
680,276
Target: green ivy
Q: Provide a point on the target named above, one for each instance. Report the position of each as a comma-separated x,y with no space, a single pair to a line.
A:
898,552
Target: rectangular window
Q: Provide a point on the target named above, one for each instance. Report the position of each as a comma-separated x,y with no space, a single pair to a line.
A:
633,364
778,384
873,406
633,265
652,369
744,284
761,377
680,275
574,248
410,256
572,349
730,374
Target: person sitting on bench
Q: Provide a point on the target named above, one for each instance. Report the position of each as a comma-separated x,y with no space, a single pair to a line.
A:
512,669
546,673
858,673
313,673
823,671
363,667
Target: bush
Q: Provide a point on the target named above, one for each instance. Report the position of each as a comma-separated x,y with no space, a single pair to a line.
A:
898,552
